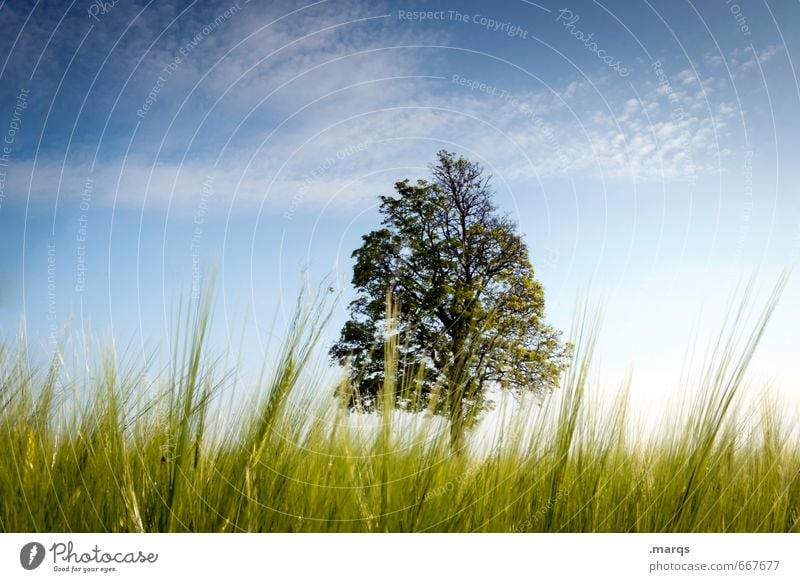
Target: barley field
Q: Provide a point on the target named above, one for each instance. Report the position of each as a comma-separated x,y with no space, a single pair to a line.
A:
117,448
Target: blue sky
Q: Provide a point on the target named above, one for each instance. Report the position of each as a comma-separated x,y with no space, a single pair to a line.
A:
647,150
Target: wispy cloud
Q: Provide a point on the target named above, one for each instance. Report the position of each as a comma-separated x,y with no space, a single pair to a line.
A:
268,107
741,61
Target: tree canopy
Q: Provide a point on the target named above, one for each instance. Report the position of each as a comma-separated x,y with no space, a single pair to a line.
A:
469,310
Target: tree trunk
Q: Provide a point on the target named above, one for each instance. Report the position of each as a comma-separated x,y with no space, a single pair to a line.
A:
459,389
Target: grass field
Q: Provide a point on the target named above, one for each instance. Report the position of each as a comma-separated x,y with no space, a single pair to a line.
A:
116,450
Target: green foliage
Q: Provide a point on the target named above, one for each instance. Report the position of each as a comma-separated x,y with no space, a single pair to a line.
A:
470,312
126,450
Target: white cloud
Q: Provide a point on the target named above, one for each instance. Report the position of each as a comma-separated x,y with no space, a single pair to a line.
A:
358,138
744,60
687,77
271,153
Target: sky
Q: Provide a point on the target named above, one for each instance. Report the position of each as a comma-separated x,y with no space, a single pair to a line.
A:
647,151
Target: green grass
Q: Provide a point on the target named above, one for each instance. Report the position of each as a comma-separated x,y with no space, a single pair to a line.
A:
116,450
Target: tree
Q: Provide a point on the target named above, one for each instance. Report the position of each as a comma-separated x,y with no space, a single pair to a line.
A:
470,312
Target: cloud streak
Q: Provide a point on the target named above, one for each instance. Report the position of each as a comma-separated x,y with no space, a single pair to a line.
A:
265,105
